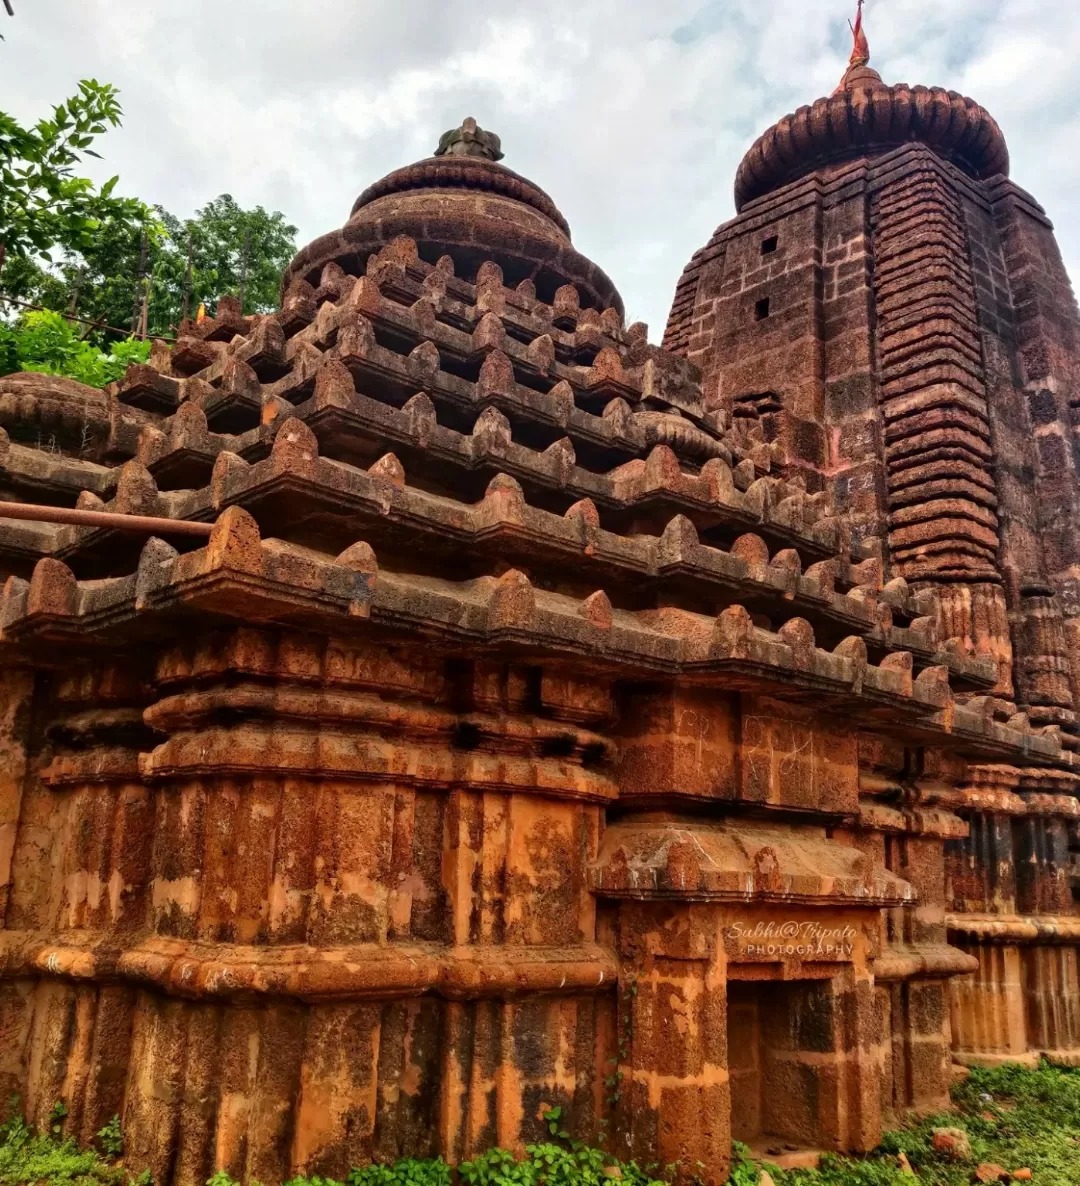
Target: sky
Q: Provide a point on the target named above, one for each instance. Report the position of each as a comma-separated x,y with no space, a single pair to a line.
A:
632,114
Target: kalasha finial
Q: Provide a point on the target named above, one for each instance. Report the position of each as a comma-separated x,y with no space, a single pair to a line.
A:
860,50
470,140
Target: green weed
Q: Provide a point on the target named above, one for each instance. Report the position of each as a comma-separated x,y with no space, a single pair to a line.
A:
1015,1117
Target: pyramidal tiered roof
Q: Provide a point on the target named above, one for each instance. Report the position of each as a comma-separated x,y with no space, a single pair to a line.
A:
464,458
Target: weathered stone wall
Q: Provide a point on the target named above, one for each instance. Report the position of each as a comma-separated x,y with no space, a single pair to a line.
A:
290,901
806,251
309,924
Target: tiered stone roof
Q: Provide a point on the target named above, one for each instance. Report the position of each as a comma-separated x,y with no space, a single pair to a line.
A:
519,473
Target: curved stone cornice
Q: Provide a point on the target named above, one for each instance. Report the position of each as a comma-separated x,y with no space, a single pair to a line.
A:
872,118
463,172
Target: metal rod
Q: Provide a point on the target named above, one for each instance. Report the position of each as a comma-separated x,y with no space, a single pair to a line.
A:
144,524
10,300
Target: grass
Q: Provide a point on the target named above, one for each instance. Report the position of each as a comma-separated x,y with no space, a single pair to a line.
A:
40,1157
1014,1117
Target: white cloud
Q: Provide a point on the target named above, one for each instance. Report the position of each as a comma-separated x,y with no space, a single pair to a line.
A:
633,114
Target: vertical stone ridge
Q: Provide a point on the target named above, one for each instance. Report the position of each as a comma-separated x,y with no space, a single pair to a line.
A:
942,500
943,524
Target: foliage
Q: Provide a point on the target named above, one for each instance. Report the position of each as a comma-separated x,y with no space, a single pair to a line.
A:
407,1172
102,283
25,279
110,1139
117,256
30,1157
46,342
1018,1118
567,1163
231,250
43,204
551,1118
744,1171
57,1117
548,1164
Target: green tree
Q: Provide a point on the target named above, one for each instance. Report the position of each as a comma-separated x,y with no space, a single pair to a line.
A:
223,249
107,281
118,262
232,250
26,280
43,204
180,264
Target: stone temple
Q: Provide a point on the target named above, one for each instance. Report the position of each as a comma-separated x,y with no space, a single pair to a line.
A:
533,716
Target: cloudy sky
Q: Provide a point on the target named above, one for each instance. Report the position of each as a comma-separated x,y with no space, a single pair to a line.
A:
632,114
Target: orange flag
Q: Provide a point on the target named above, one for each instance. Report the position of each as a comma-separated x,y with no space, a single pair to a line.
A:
860,53
860,50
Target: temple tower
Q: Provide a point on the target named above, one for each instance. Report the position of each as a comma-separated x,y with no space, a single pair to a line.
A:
891,316
521,733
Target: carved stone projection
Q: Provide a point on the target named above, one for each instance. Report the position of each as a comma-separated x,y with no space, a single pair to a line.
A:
546,709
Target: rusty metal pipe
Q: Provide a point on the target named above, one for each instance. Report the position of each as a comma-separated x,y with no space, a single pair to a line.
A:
143,524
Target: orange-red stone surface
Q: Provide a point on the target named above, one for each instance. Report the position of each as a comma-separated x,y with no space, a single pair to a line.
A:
683,736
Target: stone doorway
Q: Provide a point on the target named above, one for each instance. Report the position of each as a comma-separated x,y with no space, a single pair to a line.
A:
777,1033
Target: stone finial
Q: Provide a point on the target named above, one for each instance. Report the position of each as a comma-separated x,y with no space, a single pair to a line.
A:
470,140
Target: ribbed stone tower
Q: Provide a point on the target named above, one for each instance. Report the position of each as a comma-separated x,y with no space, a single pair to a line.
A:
890,314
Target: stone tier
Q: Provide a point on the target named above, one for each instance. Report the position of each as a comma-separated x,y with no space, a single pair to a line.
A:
297,491
239,575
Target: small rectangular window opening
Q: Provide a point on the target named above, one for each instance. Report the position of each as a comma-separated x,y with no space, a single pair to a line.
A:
770,244
761,309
